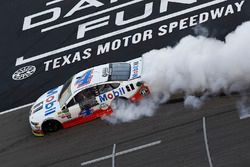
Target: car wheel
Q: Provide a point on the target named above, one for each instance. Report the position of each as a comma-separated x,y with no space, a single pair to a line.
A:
51,126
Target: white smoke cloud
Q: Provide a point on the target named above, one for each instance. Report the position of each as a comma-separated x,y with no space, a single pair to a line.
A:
200,64
201,30
193,102
243,107
196,65
124,111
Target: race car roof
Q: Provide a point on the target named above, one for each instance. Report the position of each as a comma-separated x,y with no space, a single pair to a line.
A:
119,71
89,77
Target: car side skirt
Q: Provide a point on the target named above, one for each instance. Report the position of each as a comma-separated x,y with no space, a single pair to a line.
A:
84,119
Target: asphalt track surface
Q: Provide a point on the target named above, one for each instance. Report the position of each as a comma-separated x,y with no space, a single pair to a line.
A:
180,135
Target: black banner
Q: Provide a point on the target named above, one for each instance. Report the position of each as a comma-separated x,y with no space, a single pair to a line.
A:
43,43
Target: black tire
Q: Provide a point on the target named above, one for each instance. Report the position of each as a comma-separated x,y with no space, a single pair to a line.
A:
51,126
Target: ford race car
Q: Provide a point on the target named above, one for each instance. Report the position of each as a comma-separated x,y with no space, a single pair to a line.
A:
87,95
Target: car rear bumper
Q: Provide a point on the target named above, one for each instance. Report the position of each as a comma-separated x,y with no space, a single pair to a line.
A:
142,92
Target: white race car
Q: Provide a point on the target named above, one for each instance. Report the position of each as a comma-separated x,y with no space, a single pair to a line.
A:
87,95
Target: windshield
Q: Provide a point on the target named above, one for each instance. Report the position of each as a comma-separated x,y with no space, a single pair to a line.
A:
66,92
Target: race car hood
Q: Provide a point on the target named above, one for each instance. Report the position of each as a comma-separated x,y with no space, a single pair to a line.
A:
136,68
46,106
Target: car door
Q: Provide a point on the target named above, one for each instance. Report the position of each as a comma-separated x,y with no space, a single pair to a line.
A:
87,101
69,111
107,92
74,108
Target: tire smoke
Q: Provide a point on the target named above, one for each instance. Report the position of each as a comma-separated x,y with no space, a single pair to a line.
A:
125,111
202,65
243,107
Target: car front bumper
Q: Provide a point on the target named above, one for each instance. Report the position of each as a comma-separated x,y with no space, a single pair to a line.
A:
38,133
36,129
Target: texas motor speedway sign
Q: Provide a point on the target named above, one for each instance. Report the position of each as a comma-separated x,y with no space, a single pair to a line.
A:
61,37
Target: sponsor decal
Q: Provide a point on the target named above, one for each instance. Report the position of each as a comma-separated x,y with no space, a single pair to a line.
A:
86,112
49,103
64,114
135,70
130,87
113,19
144,91
24,73
112,95
85,79
37,107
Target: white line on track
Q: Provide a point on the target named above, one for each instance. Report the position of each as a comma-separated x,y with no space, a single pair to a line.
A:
15,109
113,157
206,142
121,153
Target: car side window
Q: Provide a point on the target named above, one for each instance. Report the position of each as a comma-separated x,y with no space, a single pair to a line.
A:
107,87
89,93
115,85
86,98
71,103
